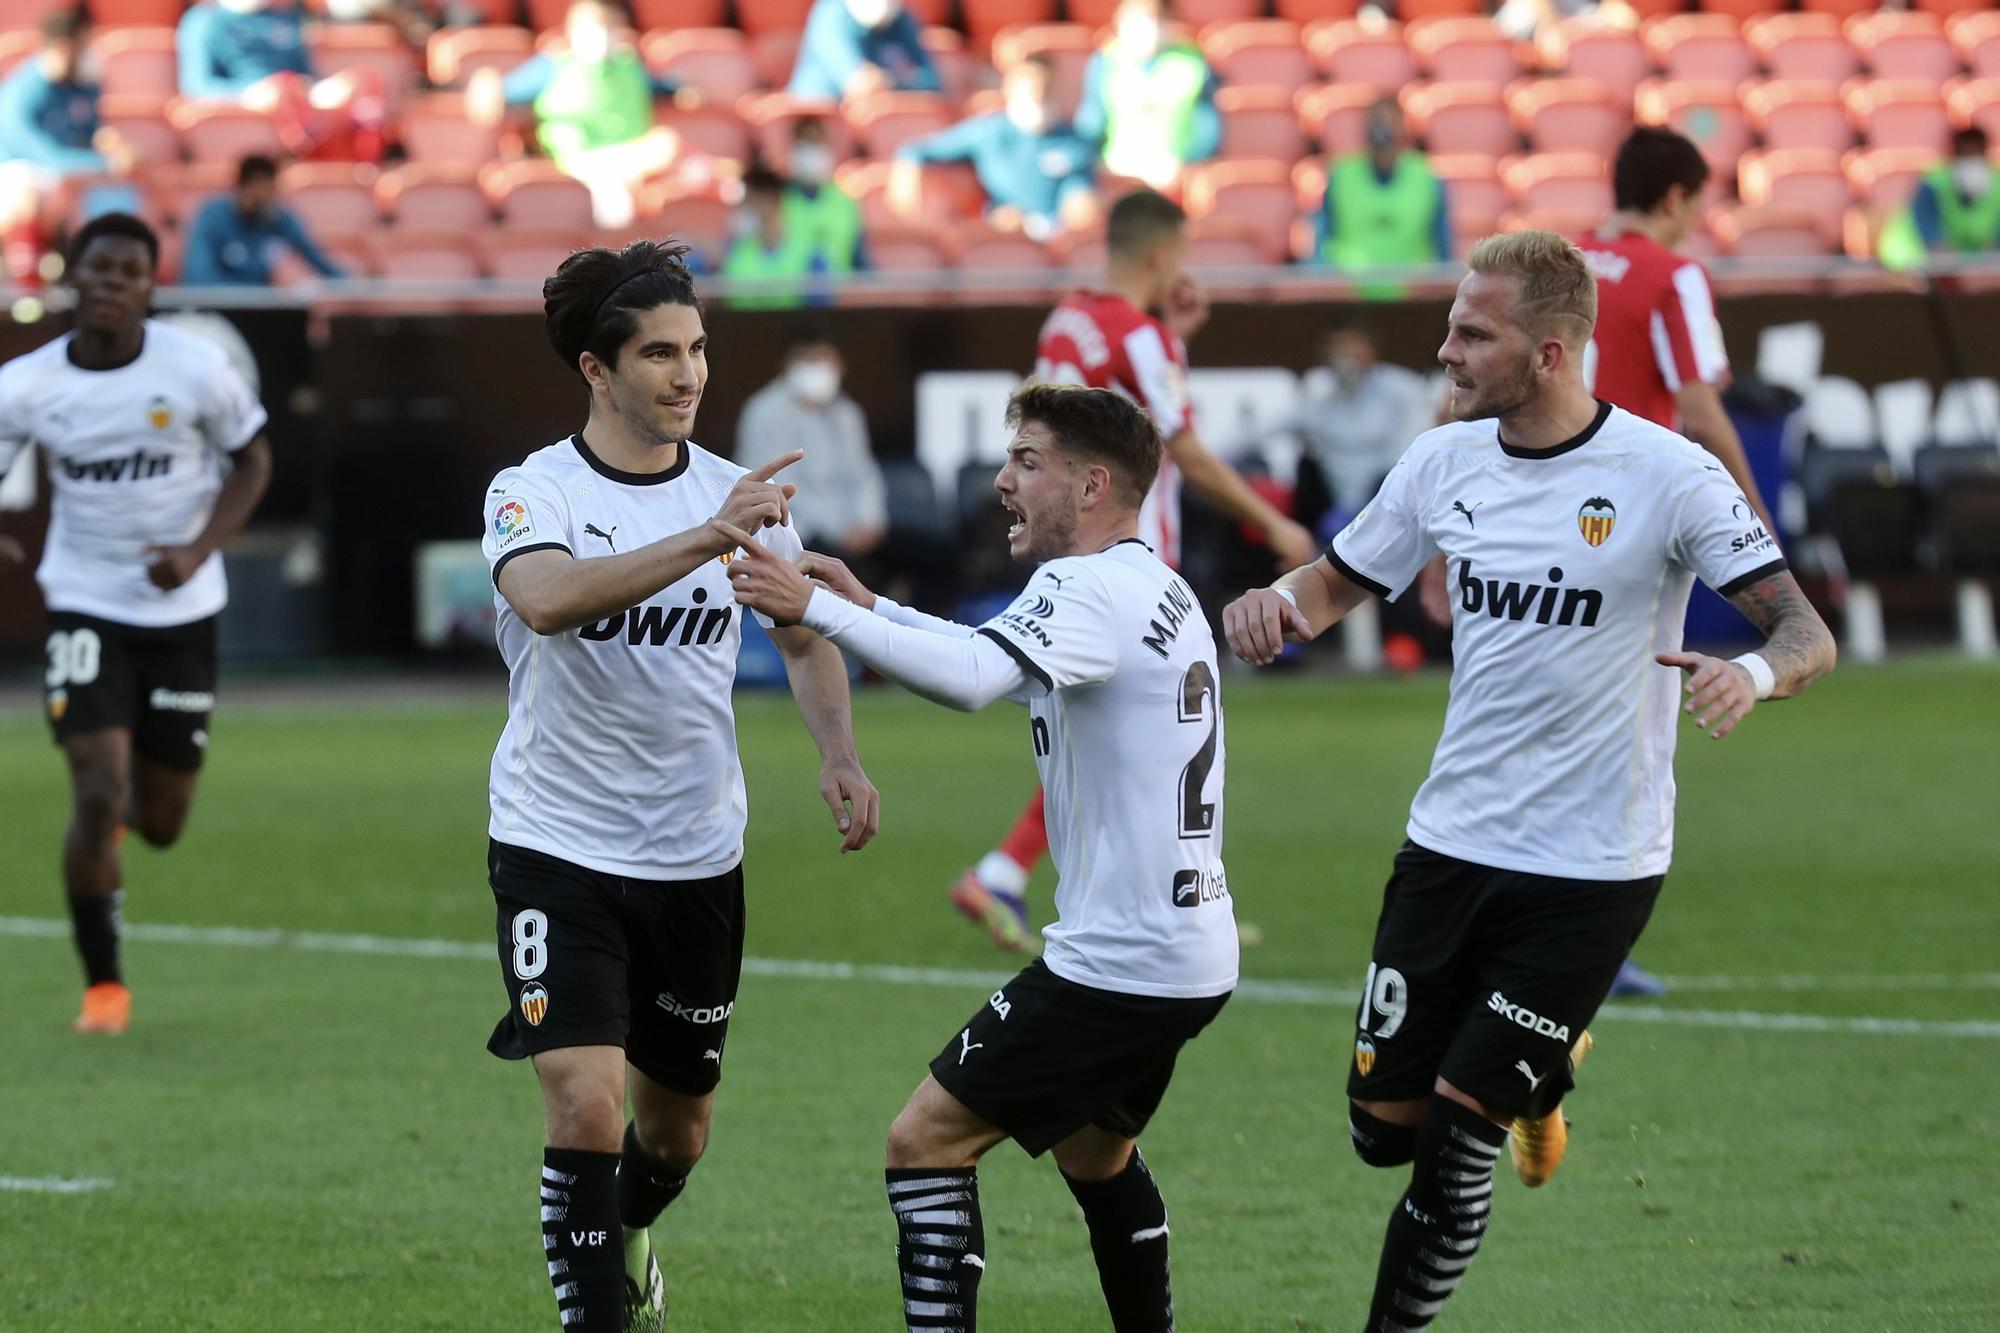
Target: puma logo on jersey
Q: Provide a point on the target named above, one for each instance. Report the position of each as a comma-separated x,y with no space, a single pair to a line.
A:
1459,507
136,466
1526,1018
592,530
656,626
966,1045
1529,1075
1511,600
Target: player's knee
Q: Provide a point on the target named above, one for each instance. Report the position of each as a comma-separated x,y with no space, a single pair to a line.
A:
99,805
1379,1142
585,1115
910,1141
678,1141
160,828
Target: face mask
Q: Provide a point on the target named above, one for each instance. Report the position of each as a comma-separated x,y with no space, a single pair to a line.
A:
869,13
813,381
1027,114
1972,176
812,162
590,44
1381,138
1139,32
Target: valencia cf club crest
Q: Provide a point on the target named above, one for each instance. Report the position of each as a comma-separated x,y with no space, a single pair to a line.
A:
160,412
534,1004
58,704
1364,1056
1596,519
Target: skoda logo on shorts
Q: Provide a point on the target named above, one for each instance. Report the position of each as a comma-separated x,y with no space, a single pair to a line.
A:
534,1004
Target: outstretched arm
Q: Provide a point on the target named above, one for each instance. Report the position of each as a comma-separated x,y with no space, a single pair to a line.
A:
832,573
1298,606
819,687
1798,650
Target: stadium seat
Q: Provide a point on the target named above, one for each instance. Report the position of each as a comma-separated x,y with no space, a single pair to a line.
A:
1361,55
929,13
338,47
1201,13
978,247
1559,183
1708,113
1950,9
510,255
1258,52
1802,46
1755,233
403,255
434,197
1303,12
711,128
1223,243
884,122
352,252
1460,118
1885,178
1582,48
28,15
436,129
124,13
222,131
175,192
545,16
701,217
1903,414
535,194
947,192
1805,181
16,47
139,61
908,249
1067,45
1840,414
1899,113
144,124
333,198
1462,48
1082,252
1740,10
1903,46
1417,9
453,55
1260,123
1799,113
1335,115
774,55
1976,37
771,117
1968,413
1706,47
1976,102
713,61
755,16
1259,193
650,14
1473,190
1839,8
1569,115
1093,13
958,72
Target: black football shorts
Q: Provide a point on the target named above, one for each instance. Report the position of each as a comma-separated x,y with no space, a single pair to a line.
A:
157,683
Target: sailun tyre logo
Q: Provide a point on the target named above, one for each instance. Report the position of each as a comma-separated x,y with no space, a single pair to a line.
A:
1596,519
1040,609
534,1004
508,516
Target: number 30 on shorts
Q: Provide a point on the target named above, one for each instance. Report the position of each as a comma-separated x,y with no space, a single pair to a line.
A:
1386,994
74,657
531,944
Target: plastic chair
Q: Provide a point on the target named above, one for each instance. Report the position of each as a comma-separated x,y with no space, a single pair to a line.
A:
28,15
1335,115
1968,413
755,16
711,128
1474,191
333,198
137,61
1975,35
434,197
1707,47
1903,46
1741,10
1801,181
534,194
1754,233
714,61
1460,118
123,13
974,245
773,118
1903,412
1708,113
1258,52
222,131
774,55
650,14
985,18
1417,9
1355,54
701,218
1258,193
884,122
426,256
337,47
509,255
1840,414
1799,114
907,249
1303,12
453,55
436,129
1462,48
144,124
1260,123
1885,178
1068,47
1581,48
1559,183
1802,46
1839,8
1976,102
1569,115
1899,113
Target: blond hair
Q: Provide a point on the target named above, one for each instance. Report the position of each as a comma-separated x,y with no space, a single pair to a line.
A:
1558,296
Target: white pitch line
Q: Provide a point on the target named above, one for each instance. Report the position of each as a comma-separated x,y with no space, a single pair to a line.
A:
53,1184
1270,992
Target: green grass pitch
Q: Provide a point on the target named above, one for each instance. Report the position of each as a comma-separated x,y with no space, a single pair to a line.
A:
306,1140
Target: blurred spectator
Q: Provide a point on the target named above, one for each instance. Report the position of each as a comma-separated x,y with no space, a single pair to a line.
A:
841,509
236,236
1355,431
1036,170
1956,209
1148,100
593,106
815,205
765,248
1384,205
254,52
48,109
854,47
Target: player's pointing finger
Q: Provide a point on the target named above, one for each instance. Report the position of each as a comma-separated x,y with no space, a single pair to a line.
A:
777,465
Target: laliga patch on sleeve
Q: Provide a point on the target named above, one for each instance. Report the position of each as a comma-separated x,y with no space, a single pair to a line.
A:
512,523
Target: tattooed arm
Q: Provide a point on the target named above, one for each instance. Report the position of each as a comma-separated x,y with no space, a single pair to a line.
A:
1798,649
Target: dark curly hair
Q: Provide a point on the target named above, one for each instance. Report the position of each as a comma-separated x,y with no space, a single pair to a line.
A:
594,300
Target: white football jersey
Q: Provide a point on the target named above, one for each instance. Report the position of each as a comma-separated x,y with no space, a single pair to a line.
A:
135,456
1125,714
619,752
1569,569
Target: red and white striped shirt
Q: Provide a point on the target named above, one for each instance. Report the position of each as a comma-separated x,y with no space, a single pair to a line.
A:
1656,326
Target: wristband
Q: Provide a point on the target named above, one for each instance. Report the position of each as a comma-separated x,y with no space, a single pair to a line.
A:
1760,672
1286,593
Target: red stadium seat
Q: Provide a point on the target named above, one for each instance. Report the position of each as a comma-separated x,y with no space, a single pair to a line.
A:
535,194
28,15
1356,54
434,197
436,129
545,16
1803,181
1839,8
1260,194
1950,9
1460,118
16,47
1569,115
929,13
1224,242
332,197
1755,233
352,252
757,16
1260,52
908,250
884,122
773,116
1201,13
125,13
1335,115
140,61
338,47
1473,192
1976,38
1559,182
1067,45
143,123
1899,113
709,128
947,193
713,61
1903,46
1799,113
1802,46
1708,113
650,14
1741,10
1561,221
222,131
1582,48
454,54
980,247
1976,102
1699,46
1885,178
1417,9
403,255
1303,12
1095,13
955,67
985,18
775,54
510,255
701,218
1462,48
176,192
1260,123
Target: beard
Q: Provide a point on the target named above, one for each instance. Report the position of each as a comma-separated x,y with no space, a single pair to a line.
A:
1051,535
646,417
1502,397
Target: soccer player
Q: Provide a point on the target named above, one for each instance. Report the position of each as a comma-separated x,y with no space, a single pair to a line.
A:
157,458
617,795
1107,339
1538,844
1113,657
